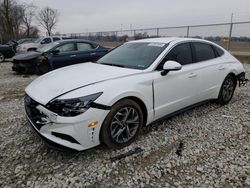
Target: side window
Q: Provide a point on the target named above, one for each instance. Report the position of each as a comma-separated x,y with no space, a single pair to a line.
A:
46,41
203,51
66,47
181,54
219,51
56,39
81,46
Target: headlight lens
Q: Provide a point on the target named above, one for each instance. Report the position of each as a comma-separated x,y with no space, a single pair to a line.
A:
72,107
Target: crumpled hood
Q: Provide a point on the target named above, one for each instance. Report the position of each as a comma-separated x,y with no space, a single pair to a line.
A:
28,55
58,82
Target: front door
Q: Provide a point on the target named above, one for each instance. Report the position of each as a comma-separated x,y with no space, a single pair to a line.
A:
177,89
65,57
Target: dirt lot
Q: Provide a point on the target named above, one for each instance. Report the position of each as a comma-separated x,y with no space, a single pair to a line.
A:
208,146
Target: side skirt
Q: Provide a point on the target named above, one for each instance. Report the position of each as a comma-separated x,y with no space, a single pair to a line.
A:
160,120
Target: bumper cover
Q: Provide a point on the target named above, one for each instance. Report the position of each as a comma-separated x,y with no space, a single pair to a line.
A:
49,143
65,132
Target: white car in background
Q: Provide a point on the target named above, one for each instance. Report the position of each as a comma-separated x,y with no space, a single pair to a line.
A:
32,46
134,85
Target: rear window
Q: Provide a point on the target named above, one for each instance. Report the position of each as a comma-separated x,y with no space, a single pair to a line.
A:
203,51
84,46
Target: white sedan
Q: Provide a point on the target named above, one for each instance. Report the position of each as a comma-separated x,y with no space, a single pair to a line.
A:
136,84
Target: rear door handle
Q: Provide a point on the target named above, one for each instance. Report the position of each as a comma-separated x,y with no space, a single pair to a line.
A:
92,53
72,55
192,75
221,67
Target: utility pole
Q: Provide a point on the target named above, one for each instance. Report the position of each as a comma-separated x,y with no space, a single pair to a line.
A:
230,32
131,29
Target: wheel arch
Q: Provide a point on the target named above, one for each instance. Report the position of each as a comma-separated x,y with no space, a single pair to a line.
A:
140,102
234,76
142,105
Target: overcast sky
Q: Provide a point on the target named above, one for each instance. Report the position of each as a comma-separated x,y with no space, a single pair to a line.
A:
103,15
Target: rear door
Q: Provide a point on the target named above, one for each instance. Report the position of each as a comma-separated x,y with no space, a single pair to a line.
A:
66,55
178,89
211,69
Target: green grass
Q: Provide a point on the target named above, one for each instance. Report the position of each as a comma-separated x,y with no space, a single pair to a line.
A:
243,59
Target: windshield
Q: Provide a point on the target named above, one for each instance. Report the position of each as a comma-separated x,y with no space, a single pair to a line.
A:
47,47
133,55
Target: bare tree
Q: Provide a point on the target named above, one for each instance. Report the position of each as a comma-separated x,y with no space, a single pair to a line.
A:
11,14
48,19
28,18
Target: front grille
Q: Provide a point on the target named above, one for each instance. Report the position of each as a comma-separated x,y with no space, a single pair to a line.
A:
34,115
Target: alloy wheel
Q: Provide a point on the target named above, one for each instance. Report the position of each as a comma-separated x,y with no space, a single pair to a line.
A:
228,89
125,124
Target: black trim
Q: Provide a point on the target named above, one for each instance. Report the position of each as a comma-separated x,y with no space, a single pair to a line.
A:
65,137
100,106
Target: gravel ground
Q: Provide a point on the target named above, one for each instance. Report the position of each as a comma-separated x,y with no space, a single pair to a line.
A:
204,147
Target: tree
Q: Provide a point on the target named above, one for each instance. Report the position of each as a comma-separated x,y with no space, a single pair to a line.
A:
11,19
48,19
28,17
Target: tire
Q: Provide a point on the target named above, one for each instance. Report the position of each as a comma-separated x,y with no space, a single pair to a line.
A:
115,128
227,89
2,58
42,68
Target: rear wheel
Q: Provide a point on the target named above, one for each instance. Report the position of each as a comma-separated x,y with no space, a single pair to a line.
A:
122,124
227,89
2,58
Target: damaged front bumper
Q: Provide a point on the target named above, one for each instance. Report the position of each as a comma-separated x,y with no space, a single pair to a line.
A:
242,79
65,132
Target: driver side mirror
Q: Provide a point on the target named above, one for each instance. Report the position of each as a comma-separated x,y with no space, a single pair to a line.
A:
170,66
42,42
55,52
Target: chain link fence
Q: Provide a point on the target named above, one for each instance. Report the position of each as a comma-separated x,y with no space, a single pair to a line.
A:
232,36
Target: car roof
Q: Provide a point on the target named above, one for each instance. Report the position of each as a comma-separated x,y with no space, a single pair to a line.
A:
75,40
167,40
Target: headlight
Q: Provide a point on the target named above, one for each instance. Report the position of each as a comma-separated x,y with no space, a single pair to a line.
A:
72,107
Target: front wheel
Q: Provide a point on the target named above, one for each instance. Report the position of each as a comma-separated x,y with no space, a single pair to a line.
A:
42,68
2,58
122,124
227,89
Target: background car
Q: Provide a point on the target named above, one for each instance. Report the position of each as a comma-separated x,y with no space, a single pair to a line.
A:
32,46
6,51
26,40
134,85
56,55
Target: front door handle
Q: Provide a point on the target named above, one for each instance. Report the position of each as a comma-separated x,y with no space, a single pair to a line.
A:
221,67
72,55
93,54
192,75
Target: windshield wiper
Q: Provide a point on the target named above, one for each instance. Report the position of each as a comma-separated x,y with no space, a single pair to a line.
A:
111,64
